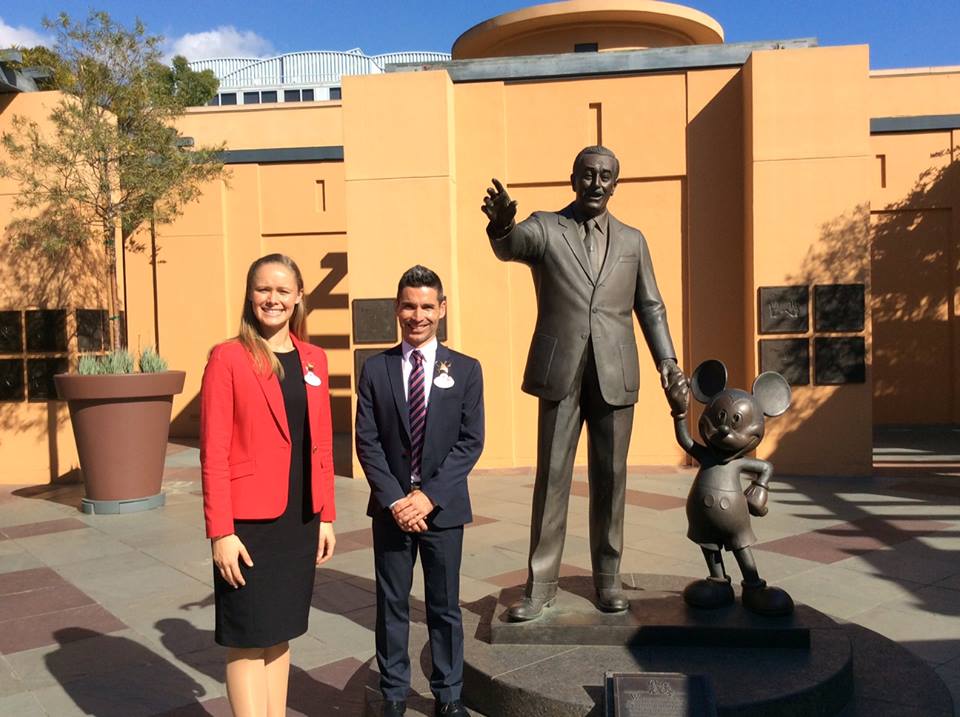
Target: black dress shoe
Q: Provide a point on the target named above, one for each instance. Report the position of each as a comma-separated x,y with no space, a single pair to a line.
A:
527,608
612,600
393,708
450,709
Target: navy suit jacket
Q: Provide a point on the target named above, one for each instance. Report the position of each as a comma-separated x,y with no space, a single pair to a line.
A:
453,436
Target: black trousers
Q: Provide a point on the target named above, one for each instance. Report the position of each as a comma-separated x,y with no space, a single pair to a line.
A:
395,554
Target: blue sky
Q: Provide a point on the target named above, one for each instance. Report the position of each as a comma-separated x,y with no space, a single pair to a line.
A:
900,33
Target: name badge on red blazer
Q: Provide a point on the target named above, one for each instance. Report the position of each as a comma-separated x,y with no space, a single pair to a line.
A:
310,377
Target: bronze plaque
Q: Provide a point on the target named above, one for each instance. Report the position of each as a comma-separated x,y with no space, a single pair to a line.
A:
11,332
839,360
838,307
374,321
658,694
788,357
783,309
360,357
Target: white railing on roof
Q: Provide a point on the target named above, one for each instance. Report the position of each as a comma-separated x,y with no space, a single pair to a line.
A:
316,67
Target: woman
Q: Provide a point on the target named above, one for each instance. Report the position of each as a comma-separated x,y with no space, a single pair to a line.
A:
266,454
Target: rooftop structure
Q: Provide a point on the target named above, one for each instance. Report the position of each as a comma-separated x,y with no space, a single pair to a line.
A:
298,76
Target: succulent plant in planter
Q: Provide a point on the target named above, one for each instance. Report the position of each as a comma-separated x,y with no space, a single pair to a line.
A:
107,398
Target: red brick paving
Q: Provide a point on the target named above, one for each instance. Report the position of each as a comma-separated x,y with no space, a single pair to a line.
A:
844,540
640,498
37,631
36,603
44,527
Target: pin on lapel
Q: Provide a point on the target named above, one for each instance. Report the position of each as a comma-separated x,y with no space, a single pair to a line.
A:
310,377
443,379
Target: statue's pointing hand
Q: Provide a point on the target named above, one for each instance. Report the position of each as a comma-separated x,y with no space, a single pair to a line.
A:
499,207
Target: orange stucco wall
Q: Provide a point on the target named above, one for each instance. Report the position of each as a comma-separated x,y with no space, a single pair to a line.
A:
764,175
36,440
296,208
915,212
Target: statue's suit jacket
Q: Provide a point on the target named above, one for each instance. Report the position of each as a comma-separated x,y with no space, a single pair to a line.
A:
574,306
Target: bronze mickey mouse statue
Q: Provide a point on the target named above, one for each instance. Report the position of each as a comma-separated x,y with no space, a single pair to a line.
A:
718,511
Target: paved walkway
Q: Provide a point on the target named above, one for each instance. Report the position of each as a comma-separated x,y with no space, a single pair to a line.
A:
113,615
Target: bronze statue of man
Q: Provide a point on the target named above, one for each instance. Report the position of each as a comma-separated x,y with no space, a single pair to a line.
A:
590,271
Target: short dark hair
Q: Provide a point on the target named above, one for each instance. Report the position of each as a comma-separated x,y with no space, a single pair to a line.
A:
417,276
602,151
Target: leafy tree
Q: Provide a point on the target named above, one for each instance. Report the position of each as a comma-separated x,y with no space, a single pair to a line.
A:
190,87
111,154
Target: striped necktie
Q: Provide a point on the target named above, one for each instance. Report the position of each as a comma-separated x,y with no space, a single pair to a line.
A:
417,406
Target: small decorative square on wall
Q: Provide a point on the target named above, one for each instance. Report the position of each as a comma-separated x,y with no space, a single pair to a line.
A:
838,307
783,309
374,321
360,357
839,360
11,332
788,357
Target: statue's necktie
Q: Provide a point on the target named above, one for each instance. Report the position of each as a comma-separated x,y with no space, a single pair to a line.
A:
592,245
417,406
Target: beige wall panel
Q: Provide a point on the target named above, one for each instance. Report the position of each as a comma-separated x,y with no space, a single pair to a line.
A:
909,164
397,125
486,299
36,443
31,106
303,198
906,95
716,297
386,238
810,221
193,308
313,124
202,217
643,121
827,432
141,329
809,103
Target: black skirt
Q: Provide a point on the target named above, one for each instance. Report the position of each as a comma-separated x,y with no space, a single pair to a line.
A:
274,605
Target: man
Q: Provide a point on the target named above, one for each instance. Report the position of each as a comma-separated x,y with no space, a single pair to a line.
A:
589,272
419,433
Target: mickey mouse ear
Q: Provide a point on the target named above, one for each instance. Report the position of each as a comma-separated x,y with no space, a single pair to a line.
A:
708,380
772,393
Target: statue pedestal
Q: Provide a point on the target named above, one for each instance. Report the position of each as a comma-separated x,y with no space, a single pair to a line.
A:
805,664
657,617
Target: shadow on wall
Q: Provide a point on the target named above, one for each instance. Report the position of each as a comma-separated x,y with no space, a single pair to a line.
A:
35,276
914,282
900,520
901,254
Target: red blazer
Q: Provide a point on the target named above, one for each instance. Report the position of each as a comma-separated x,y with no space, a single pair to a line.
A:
245,442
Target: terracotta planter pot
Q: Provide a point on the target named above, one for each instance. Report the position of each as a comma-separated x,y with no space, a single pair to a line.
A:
121,424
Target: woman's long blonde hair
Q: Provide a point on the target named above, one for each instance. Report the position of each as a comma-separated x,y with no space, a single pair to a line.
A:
249,334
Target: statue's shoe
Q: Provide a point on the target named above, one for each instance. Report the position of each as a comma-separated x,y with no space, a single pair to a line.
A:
709,593
766,600
528,608
612,600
